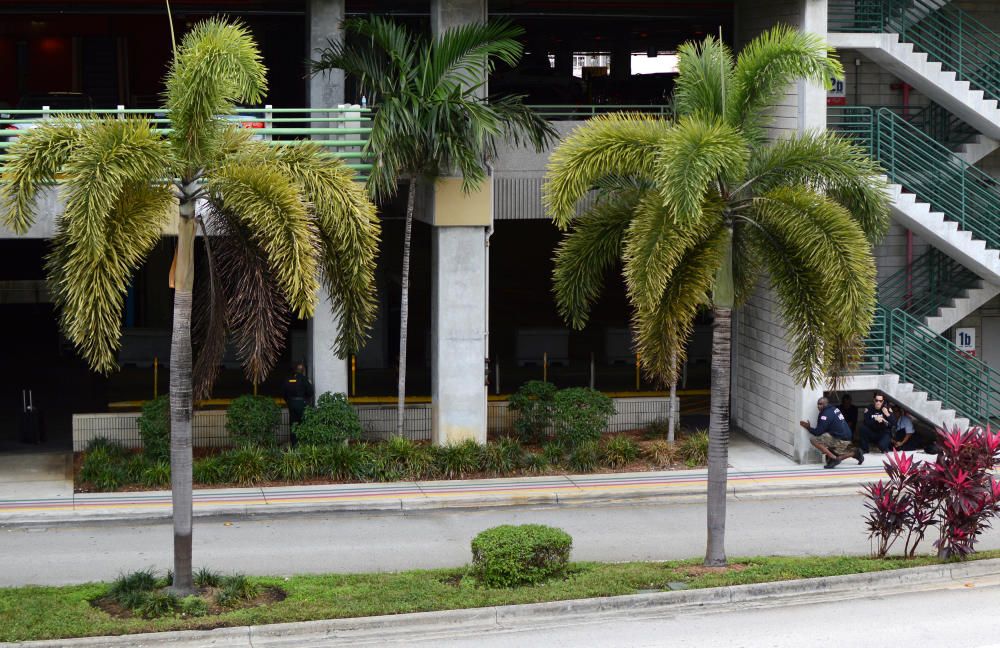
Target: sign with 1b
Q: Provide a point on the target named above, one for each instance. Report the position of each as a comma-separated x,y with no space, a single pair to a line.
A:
965,340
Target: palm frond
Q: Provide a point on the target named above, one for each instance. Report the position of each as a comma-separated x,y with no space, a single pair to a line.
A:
37,156
705,77
587,252
662,333
89,275
612,145
692,159
217,65
746,262
832,165
822,269
466,54
208,322
768,64
378,52
272,207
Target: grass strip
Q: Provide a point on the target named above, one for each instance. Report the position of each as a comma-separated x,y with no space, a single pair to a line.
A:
28,613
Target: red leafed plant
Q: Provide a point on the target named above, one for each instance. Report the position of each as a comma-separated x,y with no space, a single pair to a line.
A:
957,494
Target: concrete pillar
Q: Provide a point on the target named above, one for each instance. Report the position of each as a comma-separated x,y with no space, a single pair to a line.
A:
459,292
323,18
329,373
458,343
812,96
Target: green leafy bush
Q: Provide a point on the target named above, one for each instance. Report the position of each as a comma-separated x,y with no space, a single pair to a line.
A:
252,420
106,466
620,451
459,459
532,405
157,604
405,459
580,414
693,449
554,453
658,429
585,456
315,459
535,462
292,466
154,428
210,470
156,474
332,421
236,589
508,555
662,453
205,577
349,462
502,457
135,468
125,587
247,466
193,606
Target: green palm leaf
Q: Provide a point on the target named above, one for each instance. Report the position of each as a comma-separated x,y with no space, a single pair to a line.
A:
36,158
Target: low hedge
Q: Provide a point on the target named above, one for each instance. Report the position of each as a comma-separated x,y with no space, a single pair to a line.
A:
526,554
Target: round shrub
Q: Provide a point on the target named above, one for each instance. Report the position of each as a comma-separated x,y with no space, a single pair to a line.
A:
581,414
252,420
154,428
532,406
620,451
527,554
333,420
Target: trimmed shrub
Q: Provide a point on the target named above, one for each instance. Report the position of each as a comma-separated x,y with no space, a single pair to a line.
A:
247,466
502,457
662,453
154,428
459,459
585,457
693,449
210,470
620,451
581,414
332,421
252,420
528,554
532,405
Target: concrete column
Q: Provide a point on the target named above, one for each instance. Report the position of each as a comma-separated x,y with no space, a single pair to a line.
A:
805,409
329,373
459,293
323,18
458,343
812,96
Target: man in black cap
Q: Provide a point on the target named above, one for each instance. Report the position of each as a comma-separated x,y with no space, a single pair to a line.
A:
298,394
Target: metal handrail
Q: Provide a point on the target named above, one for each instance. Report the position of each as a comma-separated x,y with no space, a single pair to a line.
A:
933,280
943,31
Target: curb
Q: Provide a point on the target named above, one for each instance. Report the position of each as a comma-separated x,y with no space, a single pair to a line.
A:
378,630
681,495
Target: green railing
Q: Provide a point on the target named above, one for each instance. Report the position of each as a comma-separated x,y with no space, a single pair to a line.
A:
569,112
874,346
926,168
934,280
342,132
946,33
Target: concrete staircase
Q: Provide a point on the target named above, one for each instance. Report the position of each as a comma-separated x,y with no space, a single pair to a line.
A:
977,149
945,235
916,402
927,76
970,302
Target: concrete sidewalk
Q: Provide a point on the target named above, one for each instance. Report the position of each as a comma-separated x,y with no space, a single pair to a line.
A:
754,472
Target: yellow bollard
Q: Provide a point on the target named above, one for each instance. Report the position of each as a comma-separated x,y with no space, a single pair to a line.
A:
638,375
354,375
156,376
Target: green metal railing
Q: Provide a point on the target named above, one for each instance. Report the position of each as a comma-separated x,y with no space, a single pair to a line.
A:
900,344
567,112
342,132
946,33
926,168
934,280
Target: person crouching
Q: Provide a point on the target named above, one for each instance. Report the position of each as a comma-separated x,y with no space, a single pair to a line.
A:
832,435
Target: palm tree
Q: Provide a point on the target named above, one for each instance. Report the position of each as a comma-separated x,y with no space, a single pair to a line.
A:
281,220
430,116
697,209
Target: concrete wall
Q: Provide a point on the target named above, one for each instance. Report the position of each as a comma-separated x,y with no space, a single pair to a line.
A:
48,208
518,173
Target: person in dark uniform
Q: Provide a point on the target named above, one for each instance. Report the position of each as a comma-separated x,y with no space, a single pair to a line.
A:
832,436
298,394
878,425
850,412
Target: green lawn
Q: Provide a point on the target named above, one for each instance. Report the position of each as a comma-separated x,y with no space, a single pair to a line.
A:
56,612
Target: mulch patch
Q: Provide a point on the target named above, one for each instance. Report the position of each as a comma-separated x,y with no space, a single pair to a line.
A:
267,596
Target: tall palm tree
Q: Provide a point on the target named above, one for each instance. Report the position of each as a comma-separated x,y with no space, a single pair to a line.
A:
697,209
277,221
430,116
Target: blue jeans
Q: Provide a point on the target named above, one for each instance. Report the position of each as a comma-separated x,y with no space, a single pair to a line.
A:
878,437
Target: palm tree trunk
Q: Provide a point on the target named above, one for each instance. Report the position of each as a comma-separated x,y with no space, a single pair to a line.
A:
672,415
404,307
723,298
181,403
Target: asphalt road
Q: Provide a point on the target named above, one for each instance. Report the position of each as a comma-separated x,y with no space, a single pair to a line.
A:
353,542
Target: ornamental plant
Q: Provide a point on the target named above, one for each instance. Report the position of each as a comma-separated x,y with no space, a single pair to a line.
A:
532,405
526,554
957,494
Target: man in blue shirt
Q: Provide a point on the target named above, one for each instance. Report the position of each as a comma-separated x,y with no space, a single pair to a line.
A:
832,435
